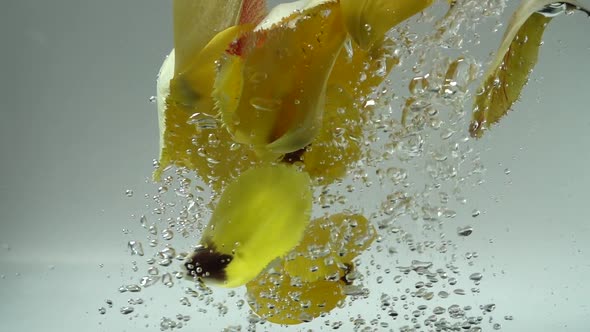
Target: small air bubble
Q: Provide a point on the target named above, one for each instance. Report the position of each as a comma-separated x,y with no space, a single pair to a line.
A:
143,221
465,231
136,248
476,276
126,310
132,288
488,307
167,234
264,104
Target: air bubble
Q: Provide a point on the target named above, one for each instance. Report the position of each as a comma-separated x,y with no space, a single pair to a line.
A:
476,276
135,247
266,104
167,234
126,310
465,231
488,307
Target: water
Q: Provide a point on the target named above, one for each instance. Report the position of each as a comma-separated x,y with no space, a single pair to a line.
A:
82,146
411,182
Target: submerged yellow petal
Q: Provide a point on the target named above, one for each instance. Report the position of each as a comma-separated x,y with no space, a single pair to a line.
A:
328,247
281,299
368,20
271,88
310,280
259,218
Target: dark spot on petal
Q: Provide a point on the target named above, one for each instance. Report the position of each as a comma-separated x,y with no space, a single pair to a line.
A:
206,262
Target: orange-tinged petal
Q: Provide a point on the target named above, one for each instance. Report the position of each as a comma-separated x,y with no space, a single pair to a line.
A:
314,258
304,286
253,11
281,299
271,88
328,247
355,235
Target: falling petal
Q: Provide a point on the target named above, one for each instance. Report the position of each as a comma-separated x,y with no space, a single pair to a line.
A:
259,218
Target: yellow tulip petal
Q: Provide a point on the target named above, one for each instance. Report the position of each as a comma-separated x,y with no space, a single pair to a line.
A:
281,299
259,218
281,77
368,20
